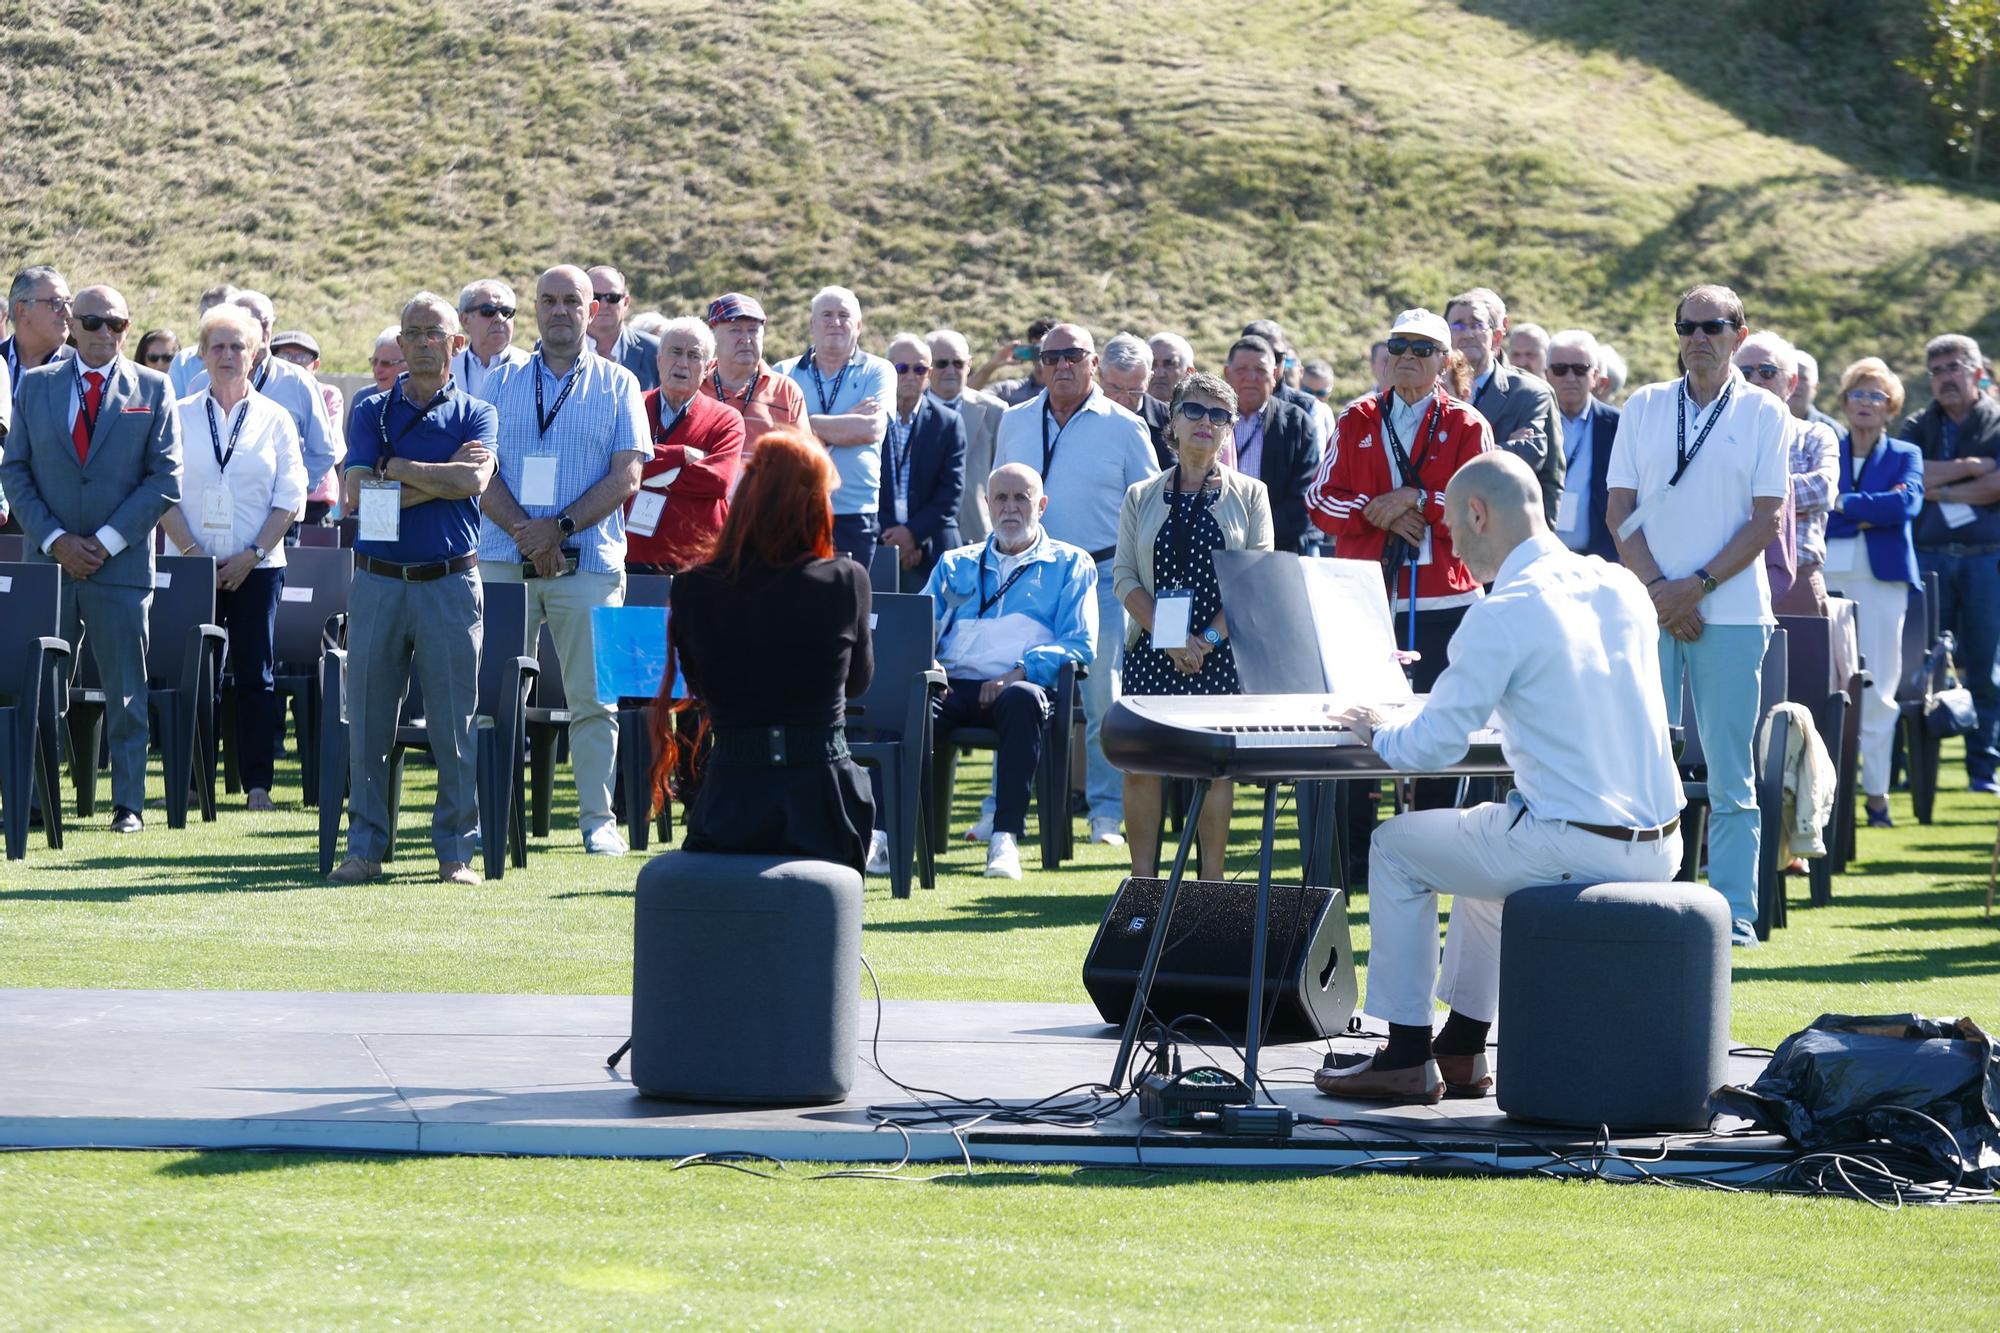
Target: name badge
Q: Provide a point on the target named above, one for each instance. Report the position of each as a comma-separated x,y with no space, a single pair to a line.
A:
1956,515
1424,549
647,506
538,479
217,511
1172,615
1569,512
381,511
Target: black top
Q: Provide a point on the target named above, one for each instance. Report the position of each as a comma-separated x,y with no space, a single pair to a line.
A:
778,647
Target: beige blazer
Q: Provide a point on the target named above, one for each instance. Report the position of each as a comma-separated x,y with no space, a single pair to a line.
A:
1243,511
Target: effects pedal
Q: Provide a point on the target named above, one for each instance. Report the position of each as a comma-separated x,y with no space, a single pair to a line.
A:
1176,1100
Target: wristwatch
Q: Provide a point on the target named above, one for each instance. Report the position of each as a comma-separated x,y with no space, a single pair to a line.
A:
1707,580
259,551
1212,637
566,524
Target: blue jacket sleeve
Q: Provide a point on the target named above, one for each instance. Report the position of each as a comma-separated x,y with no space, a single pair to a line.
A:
1891,508
940,506
1075,624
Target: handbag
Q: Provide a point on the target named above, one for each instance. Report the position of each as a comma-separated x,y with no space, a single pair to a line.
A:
1948,711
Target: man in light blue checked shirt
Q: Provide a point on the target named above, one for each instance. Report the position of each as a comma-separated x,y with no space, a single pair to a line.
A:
572,441
848,394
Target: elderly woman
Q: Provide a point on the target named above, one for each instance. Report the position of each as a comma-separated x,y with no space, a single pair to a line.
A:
1870,557
242,484
1167,532
385,363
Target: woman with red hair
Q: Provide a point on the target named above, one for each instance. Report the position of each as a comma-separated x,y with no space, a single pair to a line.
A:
771,635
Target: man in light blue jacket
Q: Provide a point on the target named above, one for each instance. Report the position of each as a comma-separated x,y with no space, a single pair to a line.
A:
1010,613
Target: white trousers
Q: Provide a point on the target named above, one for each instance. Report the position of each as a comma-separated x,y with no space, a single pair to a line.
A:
1479,856
1878,629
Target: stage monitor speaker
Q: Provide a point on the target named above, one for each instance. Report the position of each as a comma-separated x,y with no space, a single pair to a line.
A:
1309,987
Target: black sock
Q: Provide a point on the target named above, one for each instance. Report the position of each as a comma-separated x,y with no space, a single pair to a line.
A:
1409,1046
1462,1035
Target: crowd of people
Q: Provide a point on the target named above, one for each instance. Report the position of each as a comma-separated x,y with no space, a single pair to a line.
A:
1061,516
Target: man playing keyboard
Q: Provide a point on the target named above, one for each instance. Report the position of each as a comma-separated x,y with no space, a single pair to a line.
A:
1564,651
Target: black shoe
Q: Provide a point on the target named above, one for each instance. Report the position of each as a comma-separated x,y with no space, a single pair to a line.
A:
126,821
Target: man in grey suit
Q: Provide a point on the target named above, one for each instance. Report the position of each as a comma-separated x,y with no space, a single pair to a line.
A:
951,356
1520,408
92,462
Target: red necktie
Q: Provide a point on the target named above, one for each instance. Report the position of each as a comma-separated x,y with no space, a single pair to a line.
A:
93,398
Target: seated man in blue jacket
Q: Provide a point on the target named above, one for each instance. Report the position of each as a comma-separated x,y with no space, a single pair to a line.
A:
1009,614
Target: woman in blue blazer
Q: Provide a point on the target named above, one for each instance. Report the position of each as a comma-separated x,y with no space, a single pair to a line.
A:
1869,556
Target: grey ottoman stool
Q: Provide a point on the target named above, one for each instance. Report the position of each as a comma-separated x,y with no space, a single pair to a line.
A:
1614,1004
745,978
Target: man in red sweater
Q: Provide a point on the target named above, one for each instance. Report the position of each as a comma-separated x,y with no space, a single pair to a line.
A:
697,443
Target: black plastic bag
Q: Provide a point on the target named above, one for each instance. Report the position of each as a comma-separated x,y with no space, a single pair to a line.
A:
1846,1079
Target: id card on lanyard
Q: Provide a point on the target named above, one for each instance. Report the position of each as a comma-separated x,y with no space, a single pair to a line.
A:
1683,454
538,471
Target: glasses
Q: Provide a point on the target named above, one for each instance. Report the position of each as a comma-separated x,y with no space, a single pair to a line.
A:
433,334
1056,356
1763,370
1470,326
159,358
1866,396
1417,347
1712,327
55,303
1192,411
92,323
491,311
911,368
1563,369
950,363
608,298
1951,368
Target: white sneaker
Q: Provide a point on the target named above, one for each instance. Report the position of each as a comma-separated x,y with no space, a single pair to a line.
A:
604,841
878,853
1003,858
1104,829
982,831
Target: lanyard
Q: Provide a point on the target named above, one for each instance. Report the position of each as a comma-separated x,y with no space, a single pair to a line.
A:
901,438
235,432
263,373
1682,454
667,423
13,364
1049,445
569,382
1484,385
826,399
1432,425
749,390
987,603
394,395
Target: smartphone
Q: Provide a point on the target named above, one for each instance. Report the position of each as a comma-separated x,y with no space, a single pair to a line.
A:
1025,352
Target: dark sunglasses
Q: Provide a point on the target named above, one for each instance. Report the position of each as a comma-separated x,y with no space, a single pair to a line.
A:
1763,370
1059,355
1712,327
950,363
1192,411
1560,369
159,358
609,298
910,367
92,323
488,309
1418,347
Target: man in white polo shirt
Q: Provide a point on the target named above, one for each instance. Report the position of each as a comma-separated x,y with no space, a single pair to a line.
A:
848,396
1087,451
1699,475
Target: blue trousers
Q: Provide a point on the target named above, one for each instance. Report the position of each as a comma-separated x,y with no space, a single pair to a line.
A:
1725,668
1103,784
855,536
1969,607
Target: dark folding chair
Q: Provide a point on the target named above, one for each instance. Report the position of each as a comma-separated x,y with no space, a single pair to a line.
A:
30,672
1809,653
312,616
13,548
1767,773
547,720
889,727
635,743
1052,772
885,571
504,681
1923,674
349,528
319,535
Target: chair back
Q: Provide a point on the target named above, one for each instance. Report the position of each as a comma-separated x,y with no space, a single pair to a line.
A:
885,570
349,528
550,691
13,548
648,589
183,597
905,636
1911,684
1809,647
30,608
504,637
318,580
316,535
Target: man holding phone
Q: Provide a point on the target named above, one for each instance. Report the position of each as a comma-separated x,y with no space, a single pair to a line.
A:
1016,351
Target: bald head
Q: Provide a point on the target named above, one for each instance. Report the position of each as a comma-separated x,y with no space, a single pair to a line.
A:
1015,499
1492,505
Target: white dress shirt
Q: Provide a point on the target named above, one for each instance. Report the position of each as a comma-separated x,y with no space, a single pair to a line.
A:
107,536
265,472
1564,654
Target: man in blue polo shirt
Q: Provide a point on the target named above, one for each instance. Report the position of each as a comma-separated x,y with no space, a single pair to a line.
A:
572,440
417,458
848,395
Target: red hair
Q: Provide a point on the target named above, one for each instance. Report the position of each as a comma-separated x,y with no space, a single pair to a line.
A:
780,517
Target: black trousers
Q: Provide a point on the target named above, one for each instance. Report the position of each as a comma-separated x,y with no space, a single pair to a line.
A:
855,536
1019,715
250,613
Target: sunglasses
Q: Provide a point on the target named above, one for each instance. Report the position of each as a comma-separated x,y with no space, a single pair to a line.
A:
1763,370
159,358
910,367
609,298
1221,416
1712,327
1866,396
1418,347
92,323
950,363
1560,369
491,311
1059,355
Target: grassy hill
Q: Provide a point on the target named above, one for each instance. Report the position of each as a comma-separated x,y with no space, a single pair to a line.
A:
1177,164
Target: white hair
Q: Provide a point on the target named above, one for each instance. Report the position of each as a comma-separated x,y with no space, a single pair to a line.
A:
649,321
953,335
437,303
388,335
1613,365
231,317
1808,366
1534,333
1183,349
257,304
468,295
840,294
1782,353
1581,340
689,324
1126,352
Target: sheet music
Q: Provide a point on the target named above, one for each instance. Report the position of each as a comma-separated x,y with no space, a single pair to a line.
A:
1357,639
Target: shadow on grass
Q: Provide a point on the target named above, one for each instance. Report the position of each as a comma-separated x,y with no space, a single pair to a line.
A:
231,876
1883,966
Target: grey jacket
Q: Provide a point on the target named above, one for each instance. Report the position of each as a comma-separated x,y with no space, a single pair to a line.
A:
1242,511
1514,402
132,476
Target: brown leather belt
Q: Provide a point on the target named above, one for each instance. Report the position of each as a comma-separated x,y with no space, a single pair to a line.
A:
1619,834
423,573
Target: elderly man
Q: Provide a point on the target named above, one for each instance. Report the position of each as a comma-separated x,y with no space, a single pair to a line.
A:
683,496
1958,530
1806,390
1127,370
1528,349
424,452
1013,352
572,442
1770,363
637,352
1520,408
924,468
951,360
1317,412
289,387
1087,451
1563,652
1699,478
848,393
1274,439
187,361
741,378
1009,613
1381,366
1611,374
1589,428
486,309
385,362
302,350
38,303
92,462
1173,361
1317,380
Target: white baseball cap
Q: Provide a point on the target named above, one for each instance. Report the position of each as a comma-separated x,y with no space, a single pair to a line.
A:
1421,323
